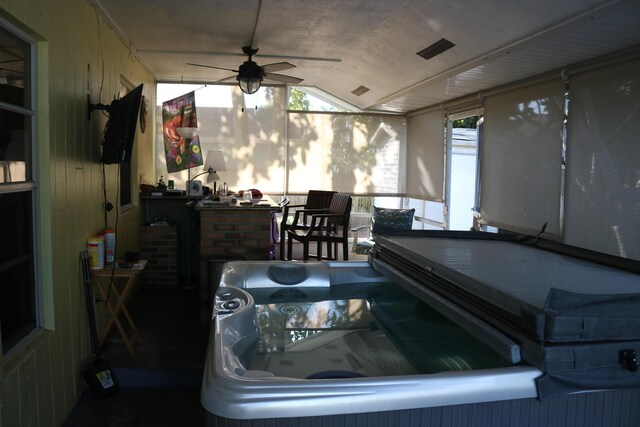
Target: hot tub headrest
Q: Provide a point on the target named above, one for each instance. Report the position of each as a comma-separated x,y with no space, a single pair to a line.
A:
288,274
273,274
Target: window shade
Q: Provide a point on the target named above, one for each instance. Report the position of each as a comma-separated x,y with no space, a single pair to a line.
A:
359,154
521,158
603,161
249,130
425,156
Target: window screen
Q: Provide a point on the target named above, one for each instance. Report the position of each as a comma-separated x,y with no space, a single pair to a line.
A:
248,129
603,161
360,154
521,158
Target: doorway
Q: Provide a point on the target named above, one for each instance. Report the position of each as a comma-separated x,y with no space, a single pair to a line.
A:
462,161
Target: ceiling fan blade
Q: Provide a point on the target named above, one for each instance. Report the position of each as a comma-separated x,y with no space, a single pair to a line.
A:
224,79
257,55
211,66
276,66
298,58
282,78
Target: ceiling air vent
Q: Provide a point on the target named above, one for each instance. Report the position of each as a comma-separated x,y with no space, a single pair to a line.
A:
360,90
436,48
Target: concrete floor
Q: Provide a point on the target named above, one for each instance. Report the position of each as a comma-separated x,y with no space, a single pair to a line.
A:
161,385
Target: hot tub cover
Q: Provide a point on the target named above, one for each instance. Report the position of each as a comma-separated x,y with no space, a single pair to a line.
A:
576,319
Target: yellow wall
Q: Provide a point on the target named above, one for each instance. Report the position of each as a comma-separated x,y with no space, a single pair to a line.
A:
40,384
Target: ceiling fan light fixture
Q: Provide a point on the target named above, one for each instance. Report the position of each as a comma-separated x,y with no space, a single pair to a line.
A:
249,77
249,85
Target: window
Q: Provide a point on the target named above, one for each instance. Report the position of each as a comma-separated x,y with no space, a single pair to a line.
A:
462,143
521,158
303,98
248,129
18,206
267,147
603,160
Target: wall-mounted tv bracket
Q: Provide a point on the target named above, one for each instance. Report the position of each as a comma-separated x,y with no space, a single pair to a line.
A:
92,107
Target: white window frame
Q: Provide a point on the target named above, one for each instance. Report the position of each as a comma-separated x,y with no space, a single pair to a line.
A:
31,186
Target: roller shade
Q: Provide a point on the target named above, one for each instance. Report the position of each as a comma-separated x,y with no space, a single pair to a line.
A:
425,156
249,130
521,158
357,154
603,161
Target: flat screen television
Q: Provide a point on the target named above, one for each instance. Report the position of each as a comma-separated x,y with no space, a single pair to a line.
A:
120,130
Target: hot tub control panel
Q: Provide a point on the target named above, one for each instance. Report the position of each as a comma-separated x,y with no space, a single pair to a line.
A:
228,301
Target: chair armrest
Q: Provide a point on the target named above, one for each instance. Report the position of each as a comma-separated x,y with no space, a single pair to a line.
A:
313,211
296,206
286,208
304,212
308,212
327,215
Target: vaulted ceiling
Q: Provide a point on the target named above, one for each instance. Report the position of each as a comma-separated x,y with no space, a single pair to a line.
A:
340,45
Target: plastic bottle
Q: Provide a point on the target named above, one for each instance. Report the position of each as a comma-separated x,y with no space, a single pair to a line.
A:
110,246
95,248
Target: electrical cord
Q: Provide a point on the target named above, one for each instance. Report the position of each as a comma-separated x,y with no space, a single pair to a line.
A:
115,245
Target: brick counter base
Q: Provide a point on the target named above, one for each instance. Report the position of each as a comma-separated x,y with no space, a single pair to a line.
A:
232,234
242,232
159,245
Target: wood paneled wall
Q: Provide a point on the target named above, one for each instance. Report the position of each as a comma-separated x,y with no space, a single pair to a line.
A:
40,384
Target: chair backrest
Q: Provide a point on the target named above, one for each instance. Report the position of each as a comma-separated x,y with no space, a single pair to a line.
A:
340,205
319,199
316,199
388,221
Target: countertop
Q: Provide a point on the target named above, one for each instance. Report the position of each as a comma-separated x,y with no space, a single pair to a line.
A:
265,202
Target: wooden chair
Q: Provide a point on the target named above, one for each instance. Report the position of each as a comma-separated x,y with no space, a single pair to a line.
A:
383,221
330,227
317,201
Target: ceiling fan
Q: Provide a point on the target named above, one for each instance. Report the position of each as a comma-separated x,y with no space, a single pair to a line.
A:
250,74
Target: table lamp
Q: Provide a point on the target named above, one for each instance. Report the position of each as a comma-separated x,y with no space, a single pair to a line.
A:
213,164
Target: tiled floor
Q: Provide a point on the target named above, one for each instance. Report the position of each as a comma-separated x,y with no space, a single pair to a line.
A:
161,386
158,407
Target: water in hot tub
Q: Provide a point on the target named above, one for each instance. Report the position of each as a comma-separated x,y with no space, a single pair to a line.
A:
387,332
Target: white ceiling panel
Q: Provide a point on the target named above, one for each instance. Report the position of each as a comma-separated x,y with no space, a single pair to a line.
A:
338,45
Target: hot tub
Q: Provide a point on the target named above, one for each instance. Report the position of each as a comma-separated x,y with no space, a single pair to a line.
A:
343,343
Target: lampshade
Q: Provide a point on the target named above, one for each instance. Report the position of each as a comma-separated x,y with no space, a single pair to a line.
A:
188,133
215,161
